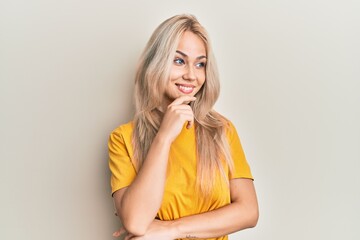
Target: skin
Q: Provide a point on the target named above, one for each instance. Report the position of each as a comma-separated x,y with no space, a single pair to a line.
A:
188,69
186,79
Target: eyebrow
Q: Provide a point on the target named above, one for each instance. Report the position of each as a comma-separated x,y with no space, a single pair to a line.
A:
184,55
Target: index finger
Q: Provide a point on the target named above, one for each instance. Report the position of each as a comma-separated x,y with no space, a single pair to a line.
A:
182,100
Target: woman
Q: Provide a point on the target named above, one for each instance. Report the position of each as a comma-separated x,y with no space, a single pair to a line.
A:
178,169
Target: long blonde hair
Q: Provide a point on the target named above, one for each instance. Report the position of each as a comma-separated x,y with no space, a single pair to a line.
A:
151,78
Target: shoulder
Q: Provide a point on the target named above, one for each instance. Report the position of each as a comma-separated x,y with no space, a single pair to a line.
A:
230,129
226,124
124,129
122,133
229,125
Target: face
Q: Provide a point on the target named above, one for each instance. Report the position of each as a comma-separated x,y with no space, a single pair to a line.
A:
187,73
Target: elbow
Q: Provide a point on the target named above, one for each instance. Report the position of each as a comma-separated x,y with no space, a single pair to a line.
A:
253,217
246,217
134,228
133,225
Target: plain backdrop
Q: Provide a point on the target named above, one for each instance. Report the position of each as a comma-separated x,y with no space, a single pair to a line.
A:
290,78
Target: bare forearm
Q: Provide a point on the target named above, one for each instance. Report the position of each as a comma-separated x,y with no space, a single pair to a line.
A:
139,203
143,197
216,223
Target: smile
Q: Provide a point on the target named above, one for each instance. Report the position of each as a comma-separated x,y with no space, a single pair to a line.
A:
187,89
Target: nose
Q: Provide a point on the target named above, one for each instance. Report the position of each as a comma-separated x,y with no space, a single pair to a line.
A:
189,74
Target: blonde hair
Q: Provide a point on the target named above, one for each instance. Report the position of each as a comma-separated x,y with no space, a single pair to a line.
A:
152,75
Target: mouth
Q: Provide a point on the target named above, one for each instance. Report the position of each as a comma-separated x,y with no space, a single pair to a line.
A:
186,89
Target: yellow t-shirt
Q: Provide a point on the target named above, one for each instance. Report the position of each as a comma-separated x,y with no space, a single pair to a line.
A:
180,198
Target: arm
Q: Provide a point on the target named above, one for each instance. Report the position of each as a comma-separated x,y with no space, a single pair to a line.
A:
138,203
240,214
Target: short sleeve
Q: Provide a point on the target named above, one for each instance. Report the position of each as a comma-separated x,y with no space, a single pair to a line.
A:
241,166
120,164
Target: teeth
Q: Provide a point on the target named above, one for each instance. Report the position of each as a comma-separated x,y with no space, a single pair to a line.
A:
187,89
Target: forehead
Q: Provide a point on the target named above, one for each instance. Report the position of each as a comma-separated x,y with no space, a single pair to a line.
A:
192,45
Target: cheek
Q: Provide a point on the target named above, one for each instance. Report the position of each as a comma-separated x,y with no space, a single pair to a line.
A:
202,77
175,74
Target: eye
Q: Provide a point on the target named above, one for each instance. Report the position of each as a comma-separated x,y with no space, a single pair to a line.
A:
200,65
179,61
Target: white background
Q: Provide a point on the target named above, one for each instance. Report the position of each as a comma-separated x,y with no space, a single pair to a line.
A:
290,77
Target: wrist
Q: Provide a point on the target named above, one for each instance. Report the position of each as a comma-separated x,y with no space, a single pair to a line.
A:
179,230
163,139
175,229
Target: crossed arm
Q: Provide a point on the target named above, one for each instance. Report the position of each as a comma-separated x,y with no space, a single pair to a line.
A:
138,204
240,214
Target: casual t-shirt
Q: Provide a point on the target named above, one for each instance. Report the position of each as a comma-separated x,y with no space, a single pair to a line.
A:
180,196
